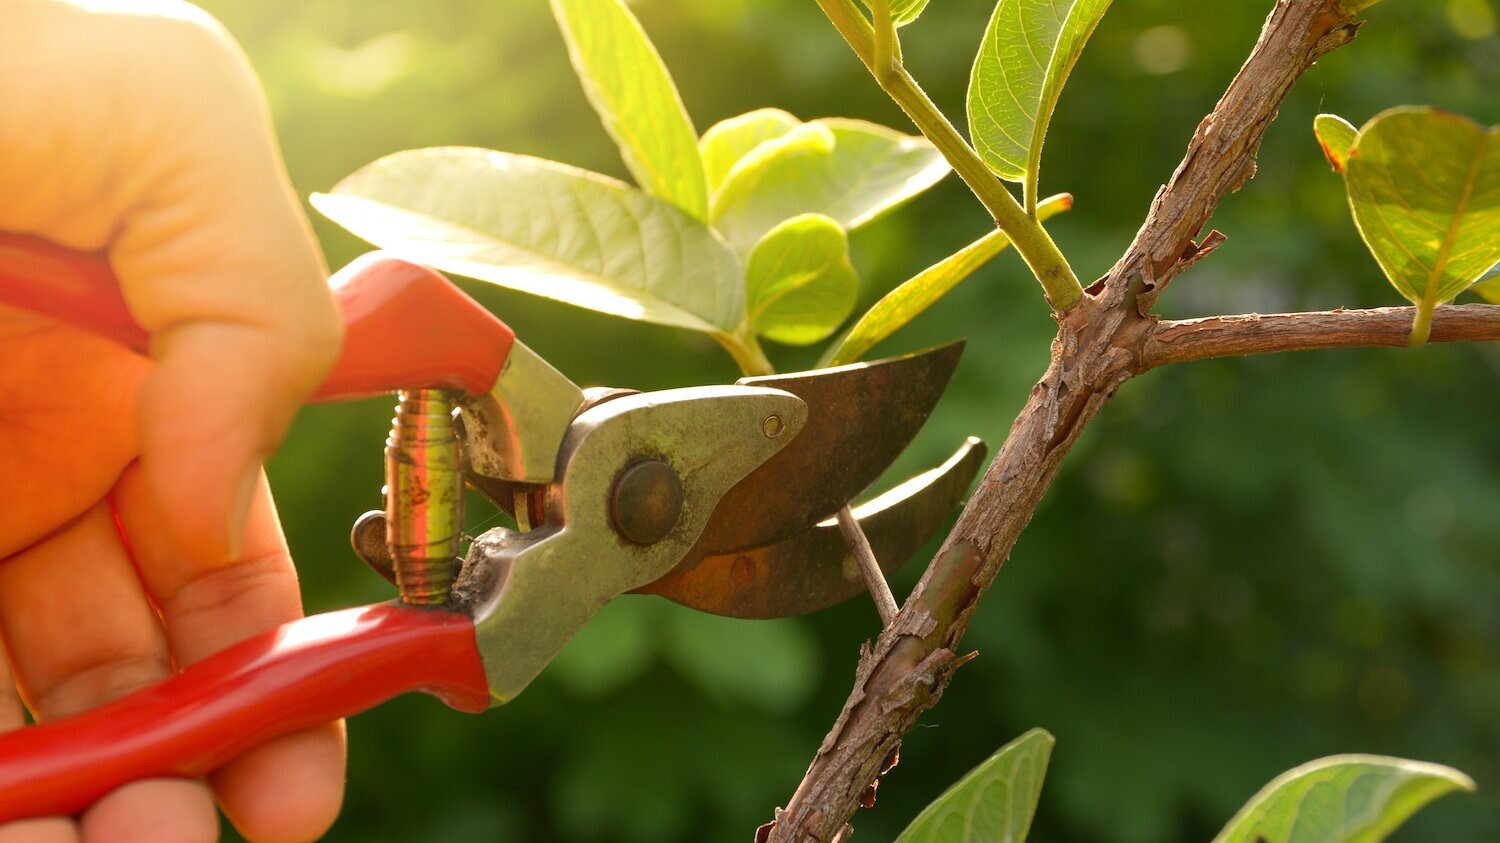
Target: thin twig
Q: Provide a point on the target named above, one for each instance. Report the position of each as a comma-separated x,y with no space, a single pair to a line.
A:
869,566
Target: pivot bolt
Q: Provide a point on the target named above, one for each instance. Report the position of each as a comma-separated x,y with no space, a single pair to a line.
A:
646,501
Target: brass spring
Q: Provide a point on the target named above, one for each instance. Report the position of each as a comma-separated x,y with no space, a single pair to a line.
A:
424,497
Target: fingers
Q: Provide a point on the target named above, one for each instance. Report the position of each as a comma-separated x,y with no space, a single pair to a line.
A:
233,293
150,137
65,424
80,633
288,789
51,829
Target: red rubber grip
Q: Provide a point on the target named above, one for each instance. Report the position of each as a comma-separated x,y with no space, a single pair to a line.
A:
299,675
405,325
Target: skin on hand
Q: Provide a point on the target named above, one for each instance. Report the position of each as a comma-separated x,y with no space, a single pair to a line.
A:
136,530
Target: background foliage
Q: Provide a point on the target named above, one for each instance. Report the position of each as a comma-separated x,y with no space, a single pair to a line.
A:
1244,565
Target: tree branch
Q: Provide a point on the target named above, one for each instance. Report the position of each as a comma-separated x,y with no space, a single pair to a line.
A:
1253,333
1100,344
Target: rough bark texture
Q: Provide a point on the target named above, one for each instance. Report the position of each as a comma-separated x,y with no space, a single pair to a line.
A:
1100,344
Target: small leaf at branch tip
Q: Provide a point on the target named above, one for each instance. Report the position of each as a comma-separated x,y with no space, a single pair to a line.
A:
1337,137
1028,51
799,283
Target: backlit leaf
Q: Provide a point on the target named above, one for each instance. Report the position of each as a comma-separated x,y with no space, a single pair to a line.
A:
1336,136
904,12
799,284
547,229
922,290
1029,48
629,87
1424,187
849,170
727,141
994,802
1341,799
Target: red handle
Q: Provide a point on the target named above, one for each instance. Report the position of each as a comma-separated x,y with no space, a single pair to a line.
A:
296,676
405,325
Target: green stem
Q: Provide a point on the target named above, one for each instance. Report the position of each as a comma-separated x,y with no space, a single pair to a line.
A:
885,39
1031,240
1421,324
746,351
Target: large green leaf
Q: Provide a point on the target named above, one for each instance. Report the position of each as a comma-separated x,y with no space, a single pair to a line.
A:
1336,136
727,141
799,284
1424,186
629,87
1341,799
904,12
922,290
994,802
849,170
1029,48
546,229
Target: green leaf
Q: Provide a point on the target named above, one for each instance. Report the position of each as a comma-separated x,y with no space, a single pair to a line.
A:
1424,187
547,229
799,284
904,12
849,170
629,87
994,802
727,141
923,290
1336,136
1341,799
1028,51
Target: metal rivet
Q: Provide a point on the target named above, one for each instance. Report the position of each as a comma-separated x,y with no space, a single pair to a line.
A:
647,501
772,426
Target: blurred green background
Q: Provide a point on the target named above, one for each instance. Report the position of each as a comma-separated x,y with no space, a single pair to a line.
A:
1244,565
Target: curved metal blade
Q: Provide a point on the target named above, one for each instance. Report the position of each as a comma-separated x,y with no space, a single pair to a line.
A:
813,570
859,419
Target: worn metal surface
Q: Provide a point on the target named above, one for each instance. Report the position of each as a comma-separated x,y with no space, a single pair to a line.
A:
367,537
860,418
647,501
424,502
513,431
530,592
814,570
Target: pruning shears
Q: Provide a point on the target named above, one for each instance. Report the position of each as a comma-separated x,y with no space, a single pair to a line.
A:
721,498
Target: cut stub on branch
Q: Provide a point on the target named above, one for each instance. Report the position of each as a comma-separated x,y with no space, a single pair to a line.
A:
1191,254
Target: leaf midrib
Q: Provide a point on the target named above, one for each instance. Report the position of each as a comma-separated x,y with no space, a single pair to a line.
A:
1430,293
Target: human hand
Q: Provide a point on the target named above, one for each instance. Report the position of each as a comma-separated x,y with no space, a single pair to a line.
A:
136,529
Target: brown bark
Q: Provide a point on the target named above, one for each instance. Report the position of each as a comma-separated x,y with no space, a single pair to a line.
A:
1253,333
1100,344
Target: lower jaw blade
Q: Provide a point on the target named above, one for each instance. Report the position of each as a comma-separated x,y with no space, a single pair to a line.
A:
813,569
